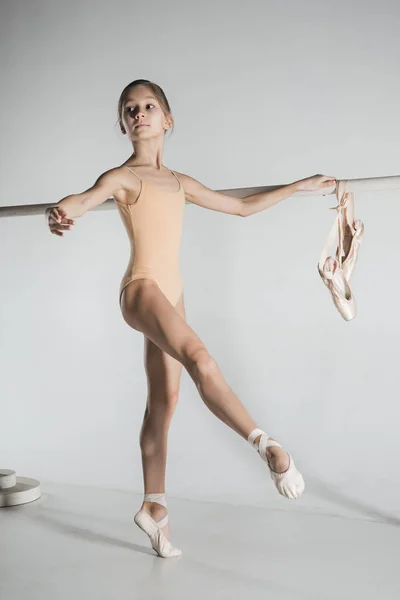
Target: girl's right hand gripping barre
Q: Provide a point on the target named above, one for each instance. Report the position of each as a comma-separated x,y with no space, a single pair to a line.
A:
58,221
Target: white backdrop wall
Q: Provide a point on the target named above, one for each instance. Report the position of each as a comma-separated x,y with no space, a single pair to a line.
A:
264,93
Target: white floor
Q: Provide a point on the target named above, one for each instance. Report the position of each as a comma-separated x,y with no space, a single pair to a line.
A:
81,543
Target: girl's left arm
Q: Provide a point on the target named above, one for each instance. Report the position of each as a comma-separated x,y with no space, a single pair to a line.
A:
197,193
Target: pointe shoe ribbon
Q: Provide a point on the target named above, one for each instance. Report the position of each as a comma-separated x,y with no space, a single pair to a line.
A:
290,483
336,271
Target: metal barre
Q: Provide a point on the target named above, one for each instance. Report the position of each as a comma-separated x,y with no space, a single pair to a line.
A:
353,185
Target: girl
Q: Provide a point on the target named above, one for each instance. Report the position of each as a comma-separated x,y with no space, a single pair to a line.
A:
151,199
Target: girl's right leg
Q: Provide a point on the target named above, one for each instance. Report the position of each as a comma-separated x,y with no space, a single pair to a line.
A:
163,375
146,309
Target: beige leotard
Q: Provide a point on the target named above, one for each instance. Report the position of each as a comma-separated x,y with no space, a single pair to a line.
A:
154,227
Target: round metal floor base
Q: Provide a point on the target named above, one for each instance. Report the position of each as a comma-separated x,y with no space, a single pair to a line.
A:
17,490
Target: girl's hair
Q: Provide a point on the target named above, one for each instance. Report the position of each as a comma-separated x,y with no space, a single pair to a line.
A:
157,91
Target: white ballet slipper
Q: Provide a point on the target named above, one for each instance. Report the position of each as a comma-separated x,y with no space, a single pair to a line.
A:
290,483
153,528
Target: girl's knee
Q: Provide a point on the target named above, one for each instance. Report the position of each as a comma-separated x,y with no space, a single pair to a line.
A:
162,404
202,363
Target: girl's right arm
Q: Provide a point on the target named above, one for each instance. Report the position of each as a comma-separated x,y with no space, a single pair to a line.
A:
60,217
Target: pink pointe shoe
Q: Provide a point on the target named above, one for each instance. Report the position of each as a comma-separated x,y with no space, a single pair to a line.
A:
153,528
290,483
334,278
336,271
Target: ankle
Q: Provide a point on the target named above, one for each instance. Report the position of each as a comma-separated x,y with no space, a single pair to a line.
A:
154,509
271,451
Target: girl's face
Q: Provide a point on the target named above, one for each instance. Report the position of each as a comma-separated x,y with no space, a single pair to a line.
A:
142,115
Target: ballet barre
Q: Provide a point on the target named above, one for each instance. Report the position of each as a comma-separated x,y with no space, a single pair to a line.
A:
370,184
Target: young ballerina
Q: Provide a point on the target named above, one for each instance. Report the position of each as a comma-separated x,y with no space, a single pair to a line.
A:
151,201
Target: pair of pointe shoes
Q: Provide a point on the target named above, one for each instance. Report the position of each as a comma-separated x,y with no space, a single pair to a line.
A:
336,271
289,484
